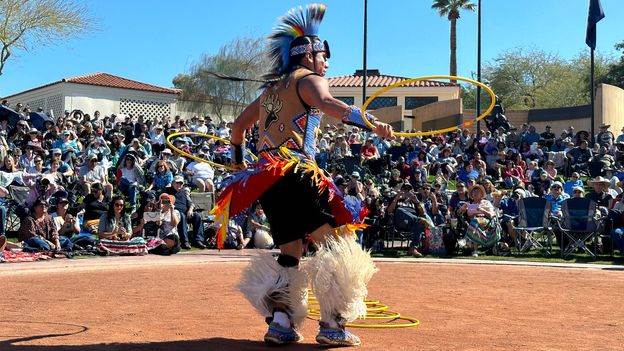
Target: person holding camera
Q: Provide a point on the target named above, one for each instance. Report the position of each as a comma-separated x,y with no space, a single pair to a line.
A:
409,214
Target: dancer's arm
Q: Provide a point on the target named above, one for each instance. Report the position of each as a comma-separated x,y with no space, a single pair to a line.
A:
314,90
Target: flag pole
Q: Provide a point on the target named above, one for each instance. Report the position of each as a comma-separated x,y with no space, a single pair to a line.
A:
591,91
364,52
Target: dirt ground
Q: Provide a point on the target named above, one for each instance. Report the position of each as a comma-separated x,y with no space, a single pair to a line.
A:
179,304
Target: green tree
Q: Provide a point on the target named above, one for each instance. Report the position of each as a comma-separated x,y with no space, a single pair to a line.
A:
244,58
537,79
451,10
25,24
615,71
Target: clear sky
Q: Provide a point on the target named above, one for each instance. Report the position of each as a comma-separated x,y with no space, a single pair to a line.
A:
153,40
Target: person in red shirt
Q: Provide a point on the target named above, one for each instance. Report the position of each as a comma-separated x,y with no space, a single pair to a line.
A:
369,151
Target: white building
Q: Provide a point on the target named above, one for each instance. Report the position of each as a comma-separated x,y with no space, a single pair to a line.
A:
102,92
410,96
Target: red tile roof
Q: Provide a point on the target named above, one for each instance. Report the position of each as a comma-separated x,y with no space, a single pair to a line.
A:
111,81
107,80
379,81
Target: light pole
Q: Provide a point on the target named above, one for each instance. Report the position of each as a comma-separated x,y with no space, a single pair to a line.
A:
478,66
364,51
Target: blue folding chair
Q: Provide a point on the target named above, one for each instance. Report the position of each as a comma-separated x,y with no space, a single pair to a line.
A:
581,222
534,223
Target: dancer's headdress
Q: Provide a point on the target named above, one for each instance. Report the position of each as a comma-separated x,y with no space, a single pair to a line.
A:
295,35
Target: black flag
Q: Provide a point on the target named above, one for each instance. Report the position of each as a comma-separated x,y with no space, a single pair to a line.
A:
594,16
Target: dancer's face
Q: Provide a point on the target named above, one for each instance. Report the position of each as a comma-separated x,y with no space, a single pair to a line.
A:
318,63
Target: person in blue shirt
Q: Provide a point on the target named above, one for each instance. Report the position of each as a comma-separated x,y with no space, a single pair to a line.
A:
509,208
555,198
66,144
467,172
532,136
575,181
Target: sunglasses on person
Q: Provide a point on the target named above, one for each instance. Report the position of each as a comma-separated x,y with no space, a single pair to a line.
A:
119,204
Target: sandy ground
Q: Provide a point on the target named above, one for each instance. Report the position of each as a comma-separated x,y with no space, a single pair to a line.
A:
189,303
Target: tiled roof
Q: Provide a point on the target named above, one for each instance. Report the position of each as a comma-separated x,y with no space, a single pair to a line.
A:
111,81
107,80
379,81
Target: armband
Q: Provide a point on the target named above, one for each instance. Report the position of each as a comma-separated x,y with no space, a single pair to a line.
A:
353,116
236,153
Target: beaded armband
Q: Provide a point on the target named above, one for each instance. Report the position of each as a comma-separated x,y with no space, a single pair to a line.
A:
353,116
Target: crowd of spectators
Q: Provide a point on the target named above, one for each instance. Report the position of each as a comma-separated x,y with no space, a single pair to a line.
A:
82,179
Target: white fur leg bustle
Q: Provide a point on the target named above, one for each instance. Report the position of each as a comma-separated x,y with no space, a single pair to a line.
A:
267,286
339,273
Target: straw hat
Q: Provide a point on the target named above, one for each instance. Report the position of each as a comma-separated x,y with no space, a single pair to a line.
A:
479,188
600,179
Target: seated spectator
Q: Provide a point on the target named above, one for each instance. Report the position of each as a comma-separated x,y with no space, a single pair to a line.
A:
482,231
369,151
409,215
93,173
94,204
63,167
202,175
555,198
579,156
258,229
38,231
460,195
115,224
541,185
162,178
66,224
169,220
510,212
186,214
574,182
131,179
236,238
600,194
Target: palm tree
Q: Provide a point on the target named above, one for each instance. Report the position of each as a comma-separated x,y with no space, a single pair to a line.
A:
450,9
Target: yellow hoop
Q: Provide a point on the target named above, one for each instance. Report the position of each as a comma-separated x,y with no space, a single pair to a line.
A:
438,131
374,310
197,158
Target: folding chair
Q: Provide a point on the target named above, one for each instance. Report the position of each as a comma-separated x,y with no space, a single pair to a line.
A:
580,223
533,221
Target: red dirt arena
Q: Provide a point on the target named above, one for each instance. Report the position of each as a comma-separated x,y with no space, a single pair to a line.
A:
188,302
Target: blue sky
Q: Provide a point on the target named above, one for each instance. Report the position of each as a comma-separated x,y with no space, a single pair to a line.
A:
153,40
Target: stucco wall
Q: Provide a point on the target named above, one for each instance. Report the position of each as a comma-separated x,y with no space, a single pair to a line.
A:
609,107
437,115
48,98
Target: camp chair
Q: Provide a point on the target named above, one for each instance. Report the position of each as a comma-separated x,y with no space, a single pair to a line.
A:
395,231
581,222
533,221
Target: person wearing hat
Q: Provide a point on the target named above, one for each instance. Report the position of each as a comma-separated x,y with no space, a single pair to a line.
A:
92,172
157,138
184,205
63,167
66,224
510,214
574,182
481,231
165,156
555,198
601,192
38,230
605,137
578,191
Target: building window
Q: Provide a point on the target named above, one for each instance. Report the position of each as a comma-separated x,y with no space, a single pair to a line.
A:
381,102
349,100
412,102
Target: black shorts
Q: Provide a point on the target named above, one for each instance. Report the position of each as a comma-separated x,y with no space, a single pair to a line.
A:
294,208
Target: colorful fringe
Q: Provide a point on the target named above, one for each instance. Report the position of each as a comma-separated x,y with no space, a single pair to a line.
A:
246,186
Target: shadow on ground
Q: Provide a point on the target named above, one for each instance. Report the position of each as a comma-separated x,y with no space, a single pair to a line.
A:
220,344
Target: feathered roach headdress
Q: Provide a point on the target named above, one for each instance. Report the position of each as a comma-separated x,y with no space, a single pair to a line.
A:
295,35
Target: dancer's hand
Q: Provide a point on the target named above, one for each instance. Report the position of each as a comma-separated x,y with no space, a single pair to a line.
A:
384,130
